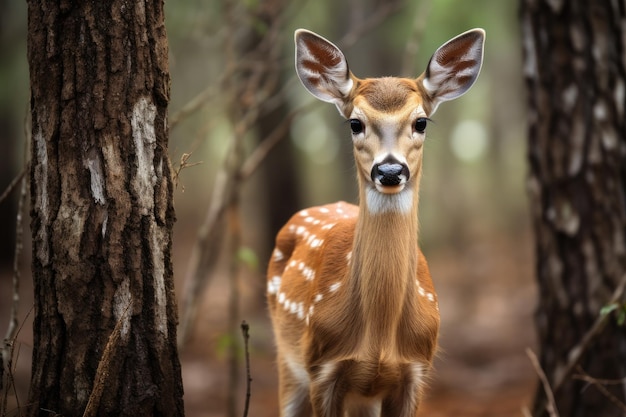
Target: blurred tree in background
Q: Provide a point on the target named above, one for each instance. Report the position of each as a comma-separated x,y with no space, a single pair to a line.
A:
575,69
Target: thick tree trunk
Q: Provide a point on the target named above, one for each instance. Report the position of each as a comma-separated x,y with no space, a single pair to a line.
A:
102,213
575,68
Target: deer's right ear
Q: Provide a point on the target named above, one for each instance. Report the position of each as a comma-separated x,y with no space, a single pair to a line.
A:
322,68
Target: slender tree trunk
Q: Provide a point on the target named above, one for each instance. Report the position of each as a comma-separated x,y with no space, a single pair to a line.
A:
575,68
102,213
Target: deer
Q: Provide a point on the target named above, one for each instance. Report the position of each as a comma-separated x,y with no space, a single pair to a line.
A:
352,303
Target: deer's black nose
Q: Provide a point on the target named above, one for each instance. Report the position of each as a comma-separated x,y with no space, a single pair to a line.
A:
390,173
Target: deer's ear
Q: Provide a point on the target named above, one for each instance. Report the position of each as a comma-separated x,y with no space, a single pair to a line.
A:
454,67
322,68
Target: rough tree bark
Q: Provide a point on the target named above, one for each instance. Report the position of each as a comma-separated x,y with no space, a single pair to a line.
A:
575,69
102,213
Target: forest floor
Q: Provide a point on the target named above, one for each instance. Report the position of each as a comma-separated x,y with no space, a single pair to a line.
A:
487,298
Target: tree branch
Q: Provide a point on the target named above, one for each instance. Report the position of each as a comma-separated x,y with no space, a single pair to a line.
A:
246,337
599,384
551,406
14,183
576,353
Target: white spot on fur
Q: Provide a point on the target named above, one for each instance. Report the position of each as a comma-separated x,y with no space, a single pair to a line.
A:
293,307
273,285
334,287
314,242
307,272
278,255
300,311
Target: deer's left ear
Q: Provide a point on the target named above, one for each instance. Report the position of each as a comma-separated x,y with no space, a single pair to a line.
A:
322,68
454,67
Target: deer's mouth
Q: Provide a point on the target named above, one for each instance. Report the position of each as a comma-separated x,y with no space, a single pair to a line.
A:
390,189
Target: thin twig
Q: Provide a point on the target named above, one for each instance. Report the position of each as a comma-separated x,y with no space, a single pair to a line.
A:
14,183
377,17
259,154
246,337
599,384
551,406
576,353
8,345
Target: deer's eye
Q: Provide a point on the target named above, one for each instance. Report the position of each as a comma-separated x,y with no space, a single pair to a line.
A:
420,124
356,126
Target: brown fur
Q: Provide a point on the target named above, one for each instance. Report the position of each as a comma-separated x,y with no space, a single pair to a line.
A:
352,302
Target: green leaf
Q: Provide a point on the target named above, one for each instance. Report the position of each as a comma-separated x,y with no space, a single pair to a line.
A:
248,257
607,309
621,316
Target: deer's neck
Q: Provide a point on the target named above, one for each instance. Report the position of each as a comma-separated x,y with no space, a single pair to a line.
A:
384,260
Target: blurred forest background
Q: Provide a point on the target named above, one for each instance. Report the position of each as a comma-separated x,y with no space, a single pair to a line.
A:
232,73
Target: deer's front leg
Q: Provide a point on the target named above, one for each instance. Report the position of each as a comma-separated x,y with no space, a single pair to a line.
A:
404,399
293,390
329,386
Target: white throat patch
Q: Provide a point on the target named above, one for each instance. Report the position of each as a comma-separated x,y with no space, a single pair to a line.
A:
379,203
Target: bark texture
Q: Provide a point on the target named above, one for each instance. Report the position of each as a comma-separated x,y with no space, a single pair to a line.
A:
102,213
575,70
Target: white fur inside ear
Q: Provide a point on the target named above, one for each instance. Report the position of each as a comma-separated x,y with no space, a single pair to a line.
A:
454,67
322,68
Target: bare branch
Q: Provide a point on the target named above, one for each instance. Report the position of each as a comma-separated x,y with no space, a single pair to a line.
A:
599,384
14,183
551,406
377,17
576,353
8,344
265,146
246,337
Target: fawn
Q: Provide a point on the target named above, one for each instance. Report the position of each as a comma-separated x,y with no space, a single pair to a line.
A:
352,303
